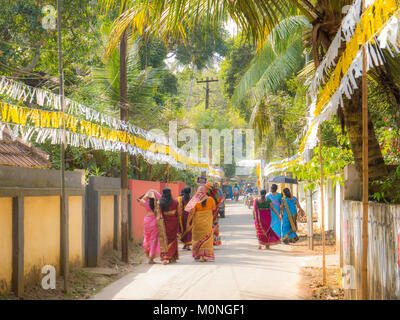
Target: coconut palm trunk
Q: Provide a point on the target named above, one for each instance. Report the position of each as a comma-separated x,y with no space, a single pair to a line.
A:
353,121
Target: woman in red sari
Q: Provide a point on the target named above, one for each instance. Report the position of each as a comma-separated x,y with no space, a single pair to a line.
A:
262,220
168,227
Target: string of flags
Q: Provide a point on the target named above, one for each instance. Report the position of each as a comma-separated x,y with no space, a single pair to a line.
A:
85,127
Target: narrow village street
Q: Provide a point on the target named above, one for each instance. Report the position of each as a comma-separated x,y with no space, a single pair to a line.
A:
240,270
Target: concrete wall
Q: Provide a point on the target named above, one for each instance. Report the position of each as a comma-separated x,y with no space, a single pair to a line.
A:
383,249
42,236
30,224
5,244
106,223
138,188
76,233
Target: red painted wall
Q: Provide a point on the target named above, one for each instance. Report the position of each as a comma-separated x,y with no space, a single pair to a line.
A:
138,188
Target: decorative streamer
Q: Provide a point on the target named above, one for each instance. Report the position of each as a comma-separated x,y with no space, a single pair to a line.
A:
25,122
377,29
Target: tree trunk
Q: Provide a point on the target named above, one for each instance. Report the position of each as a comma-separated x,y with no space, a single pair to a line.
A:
124,155
353,120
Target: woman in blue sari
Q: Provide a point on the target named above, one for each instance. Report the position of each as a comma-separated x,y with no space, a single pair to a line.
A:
276,198
289,206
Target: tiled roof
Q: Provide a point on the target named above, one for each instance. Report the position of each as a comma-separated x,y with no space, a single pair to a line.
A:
18,153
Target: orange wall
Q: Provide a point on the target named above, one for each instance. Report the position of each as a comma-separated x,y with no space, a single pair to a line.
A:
138,188
5,244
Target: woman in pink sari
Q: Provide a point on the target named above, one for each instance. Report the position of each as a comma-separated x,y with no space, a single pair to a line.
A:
262,220
151,242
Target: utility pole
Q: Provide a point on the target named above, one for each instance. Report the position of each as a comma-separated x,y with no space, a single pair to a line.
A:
207,81
309,203
364,269
63,212
124,155
322,208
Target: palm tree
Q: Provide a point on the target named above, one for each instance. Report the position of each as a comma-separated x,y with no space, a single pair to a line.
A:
279,56
142,85
257,19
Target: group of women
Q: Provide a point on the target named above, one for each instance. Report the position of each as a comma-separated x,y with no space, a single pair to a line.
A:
193,220
275,217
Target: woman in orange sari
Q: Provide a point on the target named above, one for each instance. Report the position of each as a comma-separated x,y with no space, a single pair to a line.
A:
200,209
168,227
213,191
185,230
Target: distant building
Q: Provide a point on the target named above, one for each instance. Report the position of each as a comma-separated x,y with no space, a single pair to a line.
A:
18,153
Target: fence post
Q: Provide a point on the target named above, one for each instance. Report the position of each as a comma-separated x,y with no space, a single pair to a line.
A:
116,222
18,245
92,225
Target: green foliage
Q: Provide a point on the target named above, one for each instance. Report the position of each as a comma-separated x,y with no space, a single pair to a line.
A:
279,120
389,188
29,52
235,64
333,162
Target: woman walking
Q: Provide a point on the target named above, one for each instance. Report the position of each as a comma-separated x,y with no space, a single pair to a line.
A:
168,227
276,198
185,230
151,242
217,196
201,208
262,220
290,204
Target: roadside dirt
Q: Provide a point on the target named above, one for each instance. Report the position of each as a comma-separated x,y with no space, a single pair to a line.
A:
313,288
84,283
311,285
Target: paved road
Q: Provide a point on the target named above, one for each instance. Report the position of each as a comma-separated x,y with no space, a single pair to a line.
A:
240,270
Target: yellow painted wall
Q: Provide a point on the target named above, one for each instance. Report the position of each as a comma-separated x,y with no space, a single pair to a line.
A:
75,230
106,223
42,235
5,244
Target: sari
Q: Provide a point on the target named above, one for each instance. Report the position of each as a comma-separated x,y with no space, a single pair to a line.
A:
168,231
202,232
151,242
265,234
275,221
218,198
185,229
289,227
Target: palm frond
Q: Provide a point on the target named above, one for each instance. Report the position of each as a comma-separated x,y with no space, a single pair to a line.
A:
141,83
280,55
